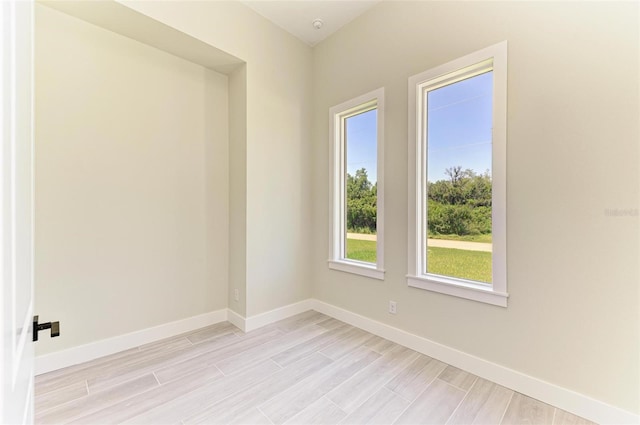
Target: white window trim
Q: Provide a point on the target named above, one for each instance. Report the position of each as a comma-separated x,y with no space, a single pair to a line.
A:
337,114
465,67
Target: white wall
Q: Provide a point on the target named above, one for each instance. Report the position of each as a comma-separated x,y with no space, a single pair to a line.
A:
278,160
573,131
131,183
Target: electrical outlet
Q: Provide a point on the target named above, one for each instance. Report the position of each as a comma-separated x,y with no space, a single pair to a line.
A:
236,295
392,307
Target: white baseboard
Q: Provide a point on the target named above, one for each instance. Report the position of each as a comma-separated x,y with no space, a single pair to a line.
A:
260,320
555,395
237,320
248,324
84,353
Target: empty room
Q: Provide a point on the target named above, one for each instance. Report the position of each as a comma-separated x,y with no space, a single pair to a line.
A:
320,212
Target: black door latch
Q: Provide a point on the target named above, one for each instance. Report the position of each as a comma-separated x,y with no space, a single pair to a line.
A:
37,327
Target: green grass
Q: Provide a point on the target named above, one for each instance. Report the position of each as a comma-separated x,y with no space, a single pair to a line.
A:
361,250
472,265
468,238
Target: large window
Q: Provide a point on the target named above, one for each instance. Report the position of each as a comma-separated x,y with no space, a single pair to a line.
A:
457,127
357,185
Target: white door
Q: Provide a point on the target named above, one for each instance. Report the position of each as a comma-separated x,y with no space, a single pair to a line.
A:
16,212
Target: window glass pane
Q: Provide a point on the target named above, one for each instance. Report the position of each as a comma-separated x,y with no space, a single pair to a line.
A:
459,125
361,191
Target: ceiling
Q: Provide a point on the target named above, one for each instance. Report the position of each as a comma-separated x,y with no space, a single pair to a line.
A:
297,16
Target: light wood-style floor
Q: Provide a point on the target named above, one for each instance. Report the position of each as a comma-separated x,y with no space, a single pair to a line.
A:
308,369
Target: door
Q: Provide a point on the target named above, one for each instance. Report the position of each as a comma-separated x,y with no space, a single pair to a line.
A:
16,212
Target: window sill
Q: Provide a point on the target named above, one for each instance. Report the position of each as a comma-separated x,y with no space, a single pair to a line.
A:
459,288
356,267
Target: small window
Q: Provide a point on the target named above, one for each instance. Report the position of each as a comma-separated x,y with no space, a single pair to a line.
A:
457,125
357,186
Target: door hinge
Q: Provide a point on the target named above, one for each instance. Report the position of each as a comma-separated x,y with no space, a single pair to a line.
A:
37,327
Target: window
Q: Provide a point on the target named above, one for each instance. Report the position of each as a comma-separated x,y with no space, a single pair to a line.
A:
357,185
457,177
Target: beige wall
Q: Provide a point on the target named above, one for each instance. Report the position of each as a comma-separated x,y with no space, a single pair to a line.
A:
135,194
238,190
278,161
131,183
573,131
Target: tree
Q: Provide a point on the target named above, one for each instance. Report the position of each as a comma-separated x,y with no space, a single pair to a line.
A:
361,203
461,204
464,187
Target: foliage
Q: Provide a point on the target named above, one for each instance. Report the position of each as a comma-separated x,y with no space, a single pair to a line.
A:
460,205
361,203
464,187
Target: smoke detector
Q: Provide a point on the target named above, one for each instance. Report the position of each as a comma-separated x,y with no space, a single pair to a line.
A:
317,23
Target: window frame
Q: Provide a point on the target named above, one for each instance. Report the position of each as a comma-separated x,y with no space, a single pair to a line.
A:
337,238
473,64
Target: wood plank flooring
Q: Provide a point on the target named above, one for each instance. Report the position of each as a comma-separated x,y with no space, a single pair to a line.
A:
308,369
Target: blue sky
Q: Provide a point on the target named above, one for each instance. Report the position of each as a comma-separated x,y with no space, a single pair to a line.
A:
459,126
458,130
361,144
